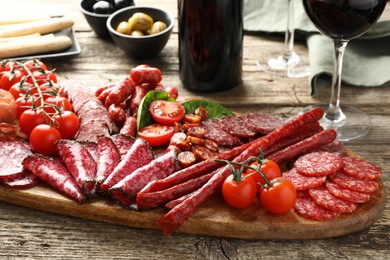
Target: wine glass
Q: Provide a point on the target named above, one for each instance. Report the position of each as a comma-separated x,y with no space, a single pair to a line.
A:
343,20
287,64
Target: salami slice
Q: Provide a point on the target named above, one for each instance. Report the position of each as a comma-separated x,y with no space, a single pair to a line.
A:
262,123
139,155
13,150
325,199
361,169
236,126
318,164
123,143
346,194
302,182
79,163
157,169
92,149
24,181
109,158
308,208
353,183
215,132
55,174
336,147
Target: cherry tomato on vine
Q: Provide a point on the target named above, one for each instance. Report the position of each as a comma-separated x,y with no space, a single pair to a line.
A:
280,197
239,194
9,78
156,134
29,119
35,65
166,112
43,138
9,65
24,103
268,167
61,102
68,124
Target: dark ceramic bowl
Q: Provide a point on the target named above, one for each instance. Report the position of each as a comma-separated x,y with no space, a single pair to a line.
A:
96,21
142,47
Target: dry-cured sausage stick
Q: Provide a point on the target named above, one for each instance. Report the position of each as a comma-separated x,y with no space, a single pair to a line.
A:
302,147
129,127
134,182
55,174
148,200
136,97
146,74
175,202
102,88
80,164
117,114
194,170
179,214
305,132
120,92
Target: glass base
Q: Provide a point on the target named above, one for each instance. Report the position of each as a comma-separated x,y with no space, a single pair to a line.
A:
352,124
282,67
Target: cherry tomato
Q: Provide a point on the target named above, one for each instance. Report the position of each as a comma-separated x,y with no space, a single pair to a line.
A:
68,124
35,65
166,112
24,103
16,90
172,92
61,102
268,167
9,65
280,197
43,138
239,194
156,134
29,119
9,78
51,76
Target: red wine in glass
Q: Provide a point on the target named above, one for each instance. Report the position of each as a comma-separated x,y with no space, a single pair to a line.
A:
343,20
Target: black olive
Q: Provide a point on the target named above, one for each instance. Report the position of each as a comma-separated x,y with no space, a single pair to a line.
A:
119,4
103,7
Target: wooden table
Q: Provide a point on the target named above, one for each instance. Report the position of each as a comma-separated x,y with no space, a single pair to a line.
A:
32,234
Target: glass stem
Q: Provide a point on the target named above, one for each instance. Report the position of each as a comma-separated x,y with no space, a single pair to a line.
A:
334,112
289,36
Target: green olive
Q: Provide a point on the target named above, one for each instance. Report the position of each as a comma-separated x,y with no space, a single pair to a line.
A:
157,27
141,22
137,33
123,27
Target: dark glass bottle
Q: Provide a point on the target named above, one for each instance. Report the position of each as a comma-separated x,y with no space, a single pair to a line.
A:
210,44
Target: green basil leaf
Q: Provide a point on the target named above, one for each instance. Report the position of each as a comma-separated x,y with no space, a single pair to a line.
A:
214,110
143,115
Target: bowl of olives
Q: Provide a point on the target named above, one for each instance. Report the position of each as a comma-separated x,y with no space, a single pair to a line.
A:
96,12
141,31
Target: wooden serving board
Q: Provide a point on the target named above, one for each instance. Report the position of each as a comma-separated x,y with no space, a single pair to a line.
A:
213,218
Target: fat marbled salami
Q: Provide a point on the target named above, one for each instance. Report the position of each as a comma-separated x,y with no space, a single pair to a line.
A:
25,180
361,169
214,131
302,182
325,199
236,126
353,183
262,123
318,164
346,194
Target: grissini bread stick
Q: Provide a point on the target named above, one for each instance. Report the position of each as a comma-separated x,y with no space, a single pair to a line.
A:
23,37
41,26
33,46
14,19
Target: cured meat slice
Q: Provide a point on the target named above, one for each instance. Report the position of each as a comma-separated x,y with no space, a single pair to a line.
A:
139,155
25,181
236,126
308,208
325,199
109,158
346,194
133,183
336,147
89,132
262,123
361,169
214,131
354,184
302,182
318,164
13,150
55,174
79,163
92,149
123,143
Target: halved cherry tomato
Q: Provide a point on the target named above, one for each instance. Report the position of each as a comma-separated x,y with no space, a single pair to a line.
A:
43,138
68,124
61,102
29,119
239,194
280,197
156,134
166,112
268,167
